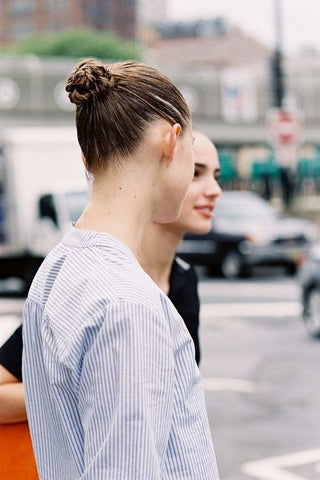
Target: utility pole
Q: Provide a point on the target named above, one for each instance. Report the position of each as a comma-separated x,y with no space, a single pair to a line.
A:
277,75
286,144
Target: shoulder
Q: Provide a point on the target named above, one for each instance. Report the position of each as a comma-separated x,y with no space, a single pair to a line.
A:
184,266
183,283
183,270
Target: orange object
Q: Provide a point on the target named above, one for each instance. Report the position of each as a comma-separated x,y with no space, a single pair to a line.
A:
16,453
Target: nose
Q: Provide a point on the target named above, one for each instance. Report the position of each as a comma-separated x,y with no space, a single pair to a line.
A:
213,189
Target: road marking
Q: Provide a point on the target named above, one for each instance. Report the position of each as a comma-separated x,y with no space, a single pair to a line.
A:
281,290
228,384
246,309
273,468
10,306
8,324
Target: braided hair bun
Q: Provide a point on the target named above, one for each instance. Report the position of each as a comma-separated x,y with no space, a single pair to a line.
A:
89,81
116,104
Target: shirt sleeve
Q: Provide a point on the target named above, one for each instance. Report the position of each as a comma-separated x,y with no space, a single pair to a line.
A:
11,354
126,395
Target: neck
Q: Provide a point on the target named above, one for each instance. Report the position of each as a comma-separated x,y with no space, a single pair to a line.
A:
159,245
120,205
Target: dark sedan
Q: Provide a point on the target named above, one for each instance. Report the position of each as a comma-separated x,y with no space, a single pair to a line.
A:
220,252
247,231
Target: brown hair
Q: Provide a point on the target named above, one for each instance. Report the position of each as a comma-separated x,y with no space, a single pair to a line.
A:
116,103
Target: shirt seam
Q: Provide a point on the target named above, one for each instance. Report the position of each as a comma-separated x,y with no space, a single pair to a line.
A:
109,304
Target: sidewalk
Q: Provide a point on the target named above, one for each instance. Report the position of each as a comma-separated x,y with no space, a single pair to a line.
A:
307,207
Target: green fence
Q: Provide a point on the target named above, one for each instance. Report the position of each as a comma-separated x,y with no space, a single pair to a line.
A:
267,168
227,165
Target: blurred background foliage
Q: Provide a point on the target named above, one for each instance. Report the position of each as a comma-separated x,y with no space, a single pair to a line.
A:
77,43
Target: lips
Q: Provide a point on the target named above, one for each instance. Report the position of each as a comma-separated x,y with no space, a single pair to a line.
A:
205,210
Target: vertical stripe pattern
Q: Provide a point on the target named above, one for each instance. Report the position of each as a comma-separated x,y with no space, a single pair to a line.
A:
112,388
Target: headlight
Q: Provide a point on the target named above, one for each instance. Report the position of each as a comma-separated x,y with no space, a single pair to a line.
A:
261,237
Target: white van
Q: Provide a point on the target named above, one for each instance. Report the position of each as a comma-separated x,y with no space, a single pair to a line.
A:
43,187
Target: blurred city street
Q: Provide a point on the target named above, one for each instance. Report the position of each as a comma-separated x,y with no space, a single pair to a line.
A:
260,373
261,381
251,82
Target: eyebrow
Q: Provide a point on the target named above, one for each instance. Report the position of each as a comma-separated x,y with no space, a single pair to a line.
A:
201,165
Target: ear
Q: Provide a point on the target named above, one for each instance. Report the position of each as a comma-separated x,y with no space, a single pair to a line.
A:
170,140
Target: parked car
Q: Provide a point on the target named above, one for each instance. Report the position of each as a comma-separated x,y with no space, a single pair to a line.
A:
220,252
309,278
247,231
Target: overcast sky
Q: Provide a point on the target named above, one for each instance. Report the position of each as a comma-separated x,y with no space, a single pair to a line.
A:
300,18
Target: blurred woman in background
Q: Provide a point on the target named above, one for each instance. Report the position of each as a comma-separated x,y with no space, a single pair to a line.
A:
160,242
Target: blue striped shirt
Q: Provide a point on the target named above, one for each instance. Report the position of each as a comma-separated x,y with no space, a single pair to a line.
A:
112,388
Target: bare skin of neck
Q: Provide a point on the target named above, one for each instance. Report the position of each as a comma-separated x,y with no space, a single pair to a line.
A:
129,193
159,245
121,205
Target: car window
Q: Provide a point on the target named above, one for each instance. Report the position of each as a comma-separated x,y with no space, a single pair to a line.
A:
248,207
47,209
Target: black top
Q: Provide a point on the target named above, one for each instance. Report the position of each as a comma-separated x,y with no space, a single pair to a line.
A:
183,293
11,354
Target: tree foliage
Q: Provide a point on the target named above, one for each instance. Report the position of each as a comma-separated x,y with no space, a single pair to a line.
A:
78,44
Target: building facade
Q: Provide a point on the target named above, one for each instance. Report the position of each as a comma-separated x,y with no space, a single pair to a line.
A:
151,12
22,18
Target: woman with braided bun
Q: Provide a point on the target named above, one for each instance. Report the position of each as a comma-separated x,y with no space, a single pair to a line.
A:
112,389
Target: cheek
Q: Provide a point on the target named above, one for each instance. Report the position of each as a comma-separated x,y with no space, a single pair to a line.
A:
185,211
190,199
195,190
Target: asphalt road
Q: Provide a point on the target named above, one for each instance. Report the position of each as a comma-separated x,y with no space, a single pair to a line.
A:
260,374
261,378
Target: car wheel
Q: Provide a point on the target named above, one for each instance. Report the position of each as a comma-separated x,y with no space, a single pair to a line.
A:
232,265
312,316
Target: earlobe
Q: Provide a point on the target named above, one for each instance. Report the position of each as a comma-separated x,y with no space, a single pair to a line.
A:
170,140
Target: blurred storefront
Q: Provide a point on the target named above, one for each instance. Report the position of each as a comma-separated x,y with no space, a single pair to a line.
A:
228,94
